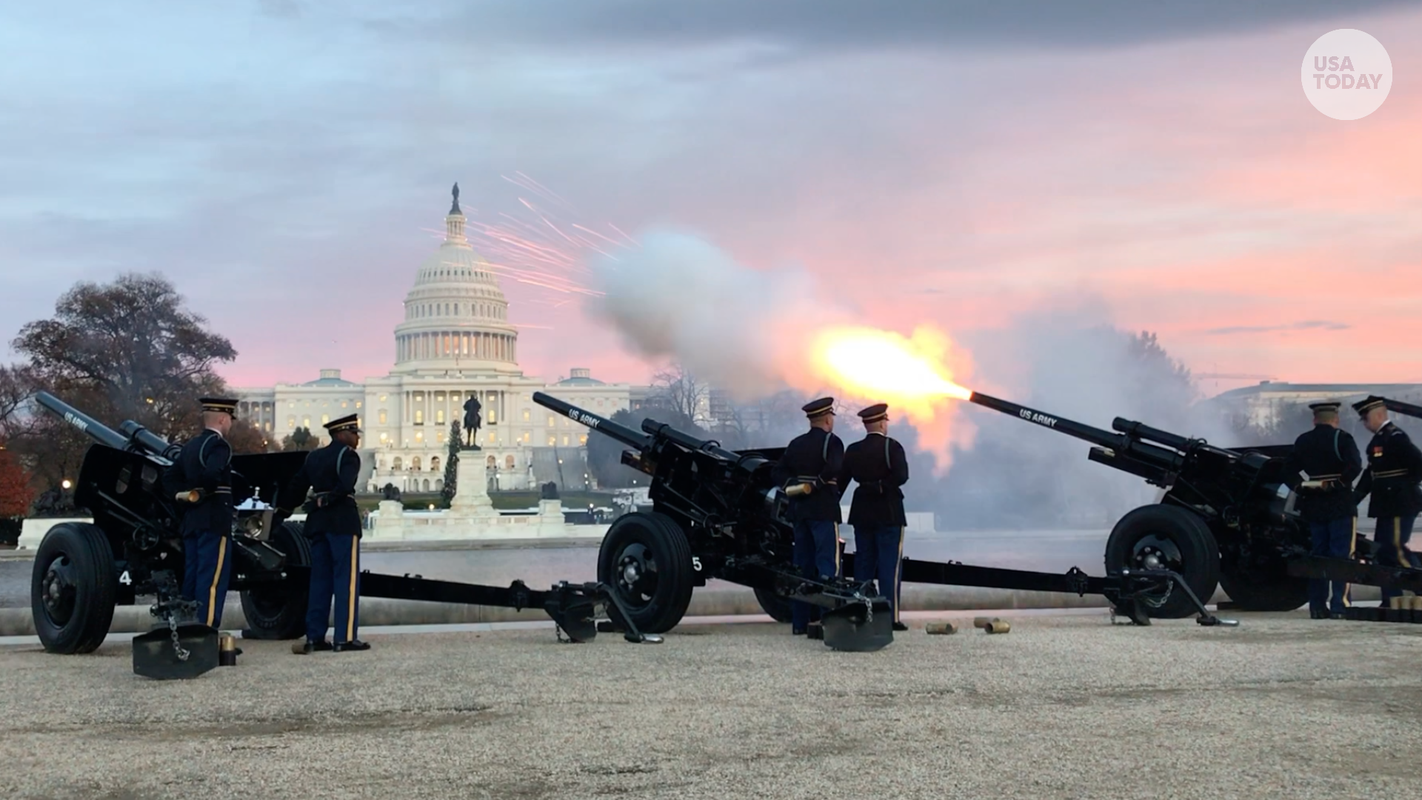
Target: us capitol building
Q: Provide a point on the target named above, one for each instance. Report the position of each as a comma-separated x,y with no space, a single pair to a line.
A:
454,343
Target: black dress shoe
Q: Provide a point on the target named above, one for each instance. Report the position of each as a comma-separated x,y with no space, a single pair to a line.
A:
354,644
815,631
303,648
899,626
797,631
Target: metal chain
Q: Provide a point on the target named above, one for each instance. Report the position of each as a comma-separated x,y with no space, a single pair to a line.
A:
173,632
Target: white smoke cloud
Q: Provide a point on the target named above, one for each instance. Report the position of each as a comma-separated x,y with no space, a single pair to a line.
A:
680,298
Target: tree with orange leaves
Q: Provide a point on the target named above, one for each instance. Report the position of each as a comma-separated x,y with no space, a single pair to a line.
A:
15,495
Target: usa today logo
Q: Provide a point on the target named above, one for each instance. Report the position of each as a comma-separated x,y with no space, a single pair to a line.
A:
1347,74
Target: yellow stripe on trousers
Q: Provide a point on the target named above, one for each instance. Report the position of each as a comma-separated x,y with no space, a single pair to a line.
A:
351,603
216,576
837,569
1352,547
898,565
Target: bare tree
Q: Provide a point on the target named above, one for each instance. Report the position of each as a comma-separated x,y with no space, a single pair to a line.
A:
682,392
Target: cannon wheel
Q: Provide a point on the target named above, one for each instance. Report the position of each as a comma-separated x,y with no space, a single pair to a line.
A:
278,611
645,559
73,588
1167,537
773,604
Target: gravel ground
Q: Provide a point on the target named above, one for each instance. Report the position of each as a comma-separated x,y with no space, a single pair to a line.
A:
1060,707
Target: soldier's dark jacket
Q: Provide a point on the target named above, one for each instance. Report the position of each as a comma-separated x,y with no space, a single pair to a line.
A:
1394,470
1325,453
205,462
330,471
880,467
813,457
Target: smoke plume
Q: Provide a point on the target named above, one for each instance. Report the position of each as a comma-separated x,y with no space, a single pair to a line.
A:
680,298
747,331
742,329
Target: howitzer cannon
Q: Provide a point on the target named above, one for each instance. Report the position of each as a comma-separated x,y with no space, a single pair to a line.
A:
1225,520
1407,409
718,513
133,548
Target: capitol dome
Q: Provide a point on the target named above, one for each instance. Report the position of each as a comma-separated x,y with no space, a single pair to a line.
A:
456,316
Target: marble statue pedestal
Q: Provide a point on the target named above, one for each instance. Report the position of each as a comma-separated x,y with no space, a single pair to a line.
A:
389,523
471,489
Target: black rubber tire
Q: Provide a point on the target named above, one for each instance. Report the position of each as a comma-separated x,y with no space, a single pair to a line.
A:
663,592
1192,552
279,611
82,551
773,604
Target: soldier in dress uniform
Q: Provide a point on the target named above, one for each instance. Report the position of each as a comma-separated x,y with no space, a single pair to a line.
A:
814,457
333,524
1394,470
880,466
203,468
1325,500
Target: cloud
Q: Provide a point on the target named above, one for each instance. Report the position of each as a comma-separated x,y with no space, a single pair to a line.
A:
838,26
1293,326
288,164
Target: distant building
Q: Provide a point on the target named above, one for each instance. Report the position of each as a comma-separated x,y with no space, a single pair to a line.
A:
455,343
1262,403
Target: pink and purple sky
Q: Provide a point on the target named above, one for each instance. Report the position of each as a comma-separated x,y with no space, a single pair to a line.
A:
288,166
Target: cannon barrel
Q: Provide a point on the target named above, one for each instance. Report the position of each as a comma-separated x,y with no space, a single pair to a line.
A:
1406,409
625,435
95,429
665,431
1119,442
130,436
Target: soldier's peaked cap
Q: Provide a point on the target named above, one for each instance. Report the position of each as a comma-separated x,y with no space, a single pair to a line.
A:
223,405
875,412
1327,405
348,423
1367,404
818,408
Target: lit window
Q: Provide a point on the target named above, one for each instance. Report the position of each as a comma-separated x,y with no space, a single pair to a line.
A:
325,418
550,421
382,416
552,440
343,404
583,439
525,415
306,422
439,416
